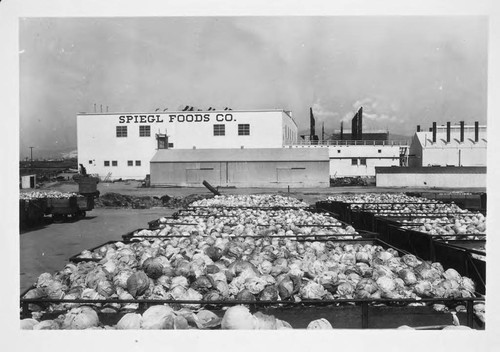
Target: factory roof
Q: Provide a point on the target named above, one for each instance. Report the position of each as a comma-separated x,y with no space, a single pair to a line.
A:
425,139
240,155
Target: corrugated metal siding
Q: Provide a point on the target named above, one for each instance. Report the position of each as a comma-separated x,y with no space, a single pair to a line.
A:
223,155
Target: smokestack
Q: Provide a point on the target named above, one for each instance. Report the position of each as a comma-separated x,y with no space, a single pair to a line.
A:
341,130
434,131
354,127
476,131
448,132
312,123
360,124
462,128
323,132
418,128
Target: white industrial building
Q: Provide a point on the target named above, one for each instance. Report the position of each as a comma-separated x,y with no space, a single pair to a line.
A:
449,145
121,145
351,158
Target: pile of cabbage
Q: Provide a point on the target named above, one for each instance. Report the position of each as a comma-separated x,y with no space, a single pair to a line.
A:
253,200
377,198
471,223
46,194
250,222
247,269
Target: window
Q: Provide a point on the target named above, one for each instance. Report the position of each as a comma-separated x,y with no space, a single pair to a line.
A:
338,150
90,161
170,145
130,163
121,131
114,163
137,163
144,131
244,129
354,161
219,130
106,162
380,150
362,161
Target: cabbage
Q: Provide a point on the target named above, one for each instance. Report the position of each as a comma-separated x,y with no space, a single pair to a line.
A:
430,274
203,284
245,295
265,322
176,292
183,268
408,276
410,260
345,290
223,288
363,257
46,325
265,267
130,321
80,318
213,296
137,283
27,324
312,290
207,319
452,274
153,268
240,266
386,284
238,318
255,284
286,287
269,293
280,265
468,284
95,276
105,288
165,281
212,269
319,324
158,317
43,280
213,253
423,288
89,293
120,279
179,281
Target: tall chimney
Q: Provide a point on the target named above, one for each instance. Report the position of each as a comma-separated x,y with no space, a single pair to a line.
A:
462,128
434,131
354,127
476,131
312,123
360,124
341,130
448,132
418,128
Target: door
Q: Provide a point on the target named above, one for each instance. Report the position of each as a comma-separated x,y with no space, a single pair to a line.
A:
32,181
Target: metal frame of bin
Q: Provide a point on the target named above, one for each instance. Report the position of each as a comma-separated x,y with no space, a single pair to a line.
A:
358,313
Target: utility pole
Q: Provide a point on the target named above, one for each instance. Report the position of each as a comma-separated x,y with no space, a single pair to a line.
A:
31,162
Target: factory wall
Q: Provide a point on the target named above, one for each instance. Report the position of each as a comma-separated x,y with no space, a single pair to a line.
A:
358,160
241,168
426,177
104,152
466,156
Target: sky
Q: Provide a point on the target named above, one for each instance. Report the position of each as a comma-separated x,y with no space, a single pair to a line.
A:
404,71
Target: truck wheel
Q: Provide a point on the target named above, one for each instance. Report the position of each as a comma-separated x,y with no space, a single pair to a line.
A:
57,217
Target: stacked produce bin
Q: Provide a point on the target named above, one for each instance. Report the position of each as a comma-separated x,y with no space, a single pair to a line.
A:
252,262
428,228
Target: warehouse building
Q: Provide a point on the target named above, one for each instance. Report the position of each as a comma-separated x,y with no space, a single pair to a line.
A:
447,145
268,167
121,145
354,152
